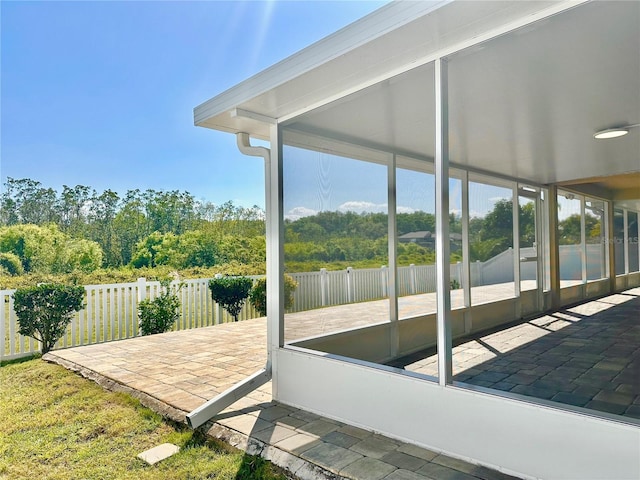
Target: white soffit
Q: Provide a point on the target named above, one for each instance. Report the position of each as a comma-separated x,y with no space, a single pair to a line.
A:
391,39
524,104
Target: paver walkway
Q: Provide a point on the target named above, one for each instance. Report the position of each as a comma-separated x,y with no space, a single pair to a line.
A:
176,372
173,373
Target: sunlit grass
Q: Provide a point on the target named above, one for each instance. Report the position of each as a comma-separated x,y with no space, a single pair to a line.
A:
57,425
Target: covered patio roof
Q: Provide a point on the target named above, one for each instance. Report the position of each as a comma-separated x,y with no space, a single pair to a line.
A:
528,88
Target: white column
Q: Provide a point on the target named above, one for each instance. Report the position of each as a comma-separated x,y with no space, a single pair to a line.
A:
466,259
625,237
583,242
275,253
443,298
515,211
392,286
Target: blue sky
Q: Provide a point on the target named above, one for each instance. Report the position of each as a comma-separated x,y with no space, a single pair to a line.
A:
101,93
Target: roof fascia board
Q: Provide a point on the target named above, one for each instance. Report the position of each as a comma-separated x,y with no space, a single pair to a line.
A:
374,25
442,53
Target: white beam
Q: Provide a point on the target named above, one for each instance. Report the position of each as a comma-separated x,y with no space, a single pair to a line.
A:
275,253
443,273
393,252
210,409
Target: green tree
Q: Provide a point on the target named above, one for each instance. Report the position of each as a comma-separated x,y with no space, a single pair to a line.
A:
27,201
10,264
104,208
258,294
230,293
45,311
158,315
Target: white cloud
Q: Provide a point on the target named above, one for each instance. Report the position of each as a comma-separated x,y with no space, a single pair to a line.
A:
362,207
369,207
299,212
401,209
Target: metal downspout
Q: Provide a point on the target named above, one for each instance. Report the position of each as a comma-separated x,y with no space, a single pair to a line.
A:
212,407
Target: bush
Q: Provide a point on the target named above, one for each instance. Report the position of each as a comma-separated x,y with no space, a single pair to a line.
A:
258,295
11,263
230,293
159,314
45,311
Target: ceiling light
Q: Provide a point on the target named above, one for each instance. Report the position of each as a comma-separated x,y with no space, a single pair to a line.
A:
614,132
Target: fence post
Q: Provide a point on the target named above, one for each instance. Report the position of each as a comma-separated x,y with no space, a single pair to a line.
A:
218,310
412,278
142,295
349,285
324,287
384,281
2,325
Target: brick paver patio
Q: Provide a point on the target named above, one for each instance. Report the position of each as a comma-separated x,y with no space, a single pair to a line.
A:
586,356
593,347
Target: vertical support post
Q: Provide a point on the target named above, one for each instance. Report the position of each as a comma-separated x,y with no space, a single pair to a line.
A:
625,227
466,260
515,211
541,243
610,248
554,247
583,242
275,253
443,271
392,287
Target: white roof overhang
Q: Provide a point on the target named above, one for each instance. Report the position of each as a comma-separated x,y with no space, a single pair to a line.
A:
529,84
388,41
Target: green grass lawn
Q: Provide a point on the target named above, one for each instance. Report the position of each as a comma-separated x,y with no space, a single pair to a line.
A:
55,424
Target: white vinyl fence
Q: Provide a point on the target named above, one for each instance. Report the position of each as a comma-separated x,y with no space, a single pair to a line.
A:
111,311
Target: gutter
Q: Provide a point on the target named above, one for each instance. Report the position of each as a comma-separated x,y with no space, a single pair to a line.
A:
213,407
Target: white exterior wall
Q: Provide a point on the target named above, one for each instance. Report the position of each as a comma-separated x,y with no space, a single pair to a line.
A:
516,437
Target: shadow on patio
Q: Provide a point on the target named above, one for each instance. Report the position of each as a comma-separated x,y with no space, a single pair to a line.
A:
586,356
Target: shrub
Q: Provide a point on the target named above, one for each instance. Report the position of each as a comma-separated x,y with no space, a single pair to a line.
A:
45,311
159,314
258,295
11,263
230,293
454,284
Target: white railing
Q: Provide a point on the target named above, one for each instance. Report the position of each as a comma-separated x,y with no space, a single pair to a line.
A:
110,311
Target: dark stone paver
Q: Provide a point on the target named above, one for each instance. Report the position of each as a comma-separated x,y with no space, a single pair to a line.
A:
606,407
340,439
434,470
587,356
571,399
403,460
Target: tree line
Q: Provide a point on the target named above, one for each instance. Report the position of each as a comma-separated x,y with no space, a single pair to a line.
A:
81,230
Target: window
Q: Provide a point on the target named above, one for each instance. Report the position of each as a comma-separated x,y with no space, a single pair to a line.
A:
491,242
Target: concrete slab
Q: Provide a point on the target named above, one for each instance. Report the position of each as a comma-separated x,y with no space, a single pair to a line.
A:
159,453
